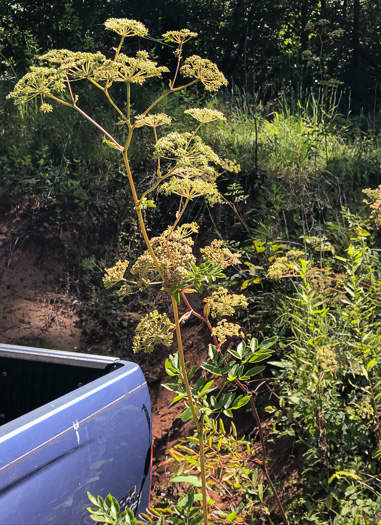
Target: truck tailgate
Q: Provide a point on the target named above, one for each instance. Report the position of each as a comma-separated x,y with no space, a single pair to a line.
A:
96,438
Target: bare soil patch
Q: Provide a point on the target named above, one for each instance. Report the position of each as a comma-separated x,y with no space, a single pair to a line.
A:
36,309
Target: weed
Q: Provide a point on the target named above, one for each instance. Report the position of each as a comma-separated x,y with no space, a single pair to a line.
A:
329,379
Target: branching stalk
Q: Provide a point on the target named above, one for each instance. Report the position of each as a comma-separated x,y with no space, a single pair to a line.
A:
264,457
87,117
158,171
122,115
178,218
179,56
172,90
48,77
140,215
158,182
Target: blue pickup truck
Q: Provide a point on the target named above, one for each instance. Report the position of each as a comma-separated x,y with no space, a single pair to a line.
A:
70,423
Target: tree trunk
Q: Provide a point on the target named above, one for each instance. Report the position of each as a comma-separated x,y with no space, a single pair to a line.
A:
356,35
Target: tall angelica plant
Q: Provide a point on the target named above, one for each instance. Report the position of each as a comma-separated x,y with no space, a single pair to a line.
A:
185,166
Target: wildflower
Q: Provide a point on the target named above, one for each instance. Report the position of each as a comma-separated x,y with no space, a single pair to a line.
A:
174,253
205,115
223,330
136,69
124,291
282,265
190,189
153,121
374,202
337,33
279,268
126,27
153,329
223,303
46,108
230,165
307,55
192,157
179,37
363,409
328,359
323,22
218,254
295,254
115,274
40,81
78,65
57,56
205,71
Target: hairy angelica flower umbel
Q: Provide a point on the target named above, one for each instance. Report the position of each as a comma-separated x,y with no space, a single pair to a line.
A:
218,254
137,69
153,121
192,188
39,82
205,115
173,250
374,201
179,37
115,274
222,302
225,330
205,71
153,329
126,27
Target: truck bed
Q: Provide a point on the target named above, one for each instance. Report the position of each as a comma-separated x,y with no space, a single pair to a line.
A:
70,423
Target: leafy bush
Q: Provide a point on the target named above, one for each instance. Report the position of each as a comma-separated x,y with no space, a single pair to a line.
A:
329,379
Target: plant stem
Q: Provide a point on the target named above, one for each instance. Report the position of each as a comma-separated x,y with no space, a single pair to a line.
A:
203,474
140,215
172,90
264,457
179,56
178,217
106,92
9,64
117,51
160,179
73,105
241,219
198,422
129,101
183,364
158,171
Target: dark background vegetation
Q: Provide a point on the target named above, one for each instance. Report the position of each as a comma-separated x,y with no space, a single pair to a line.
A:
262,47
258,45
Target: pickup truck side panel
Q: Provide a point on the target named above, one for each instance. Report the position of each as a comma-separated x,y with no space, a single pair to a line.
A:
96,438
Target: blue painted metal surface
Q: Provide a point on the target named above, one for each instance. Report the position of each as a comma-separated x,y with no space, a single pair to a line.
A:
96,438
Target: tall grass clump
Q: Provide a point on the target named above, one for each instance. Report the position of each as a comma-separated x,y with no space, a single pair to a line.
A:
300,162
